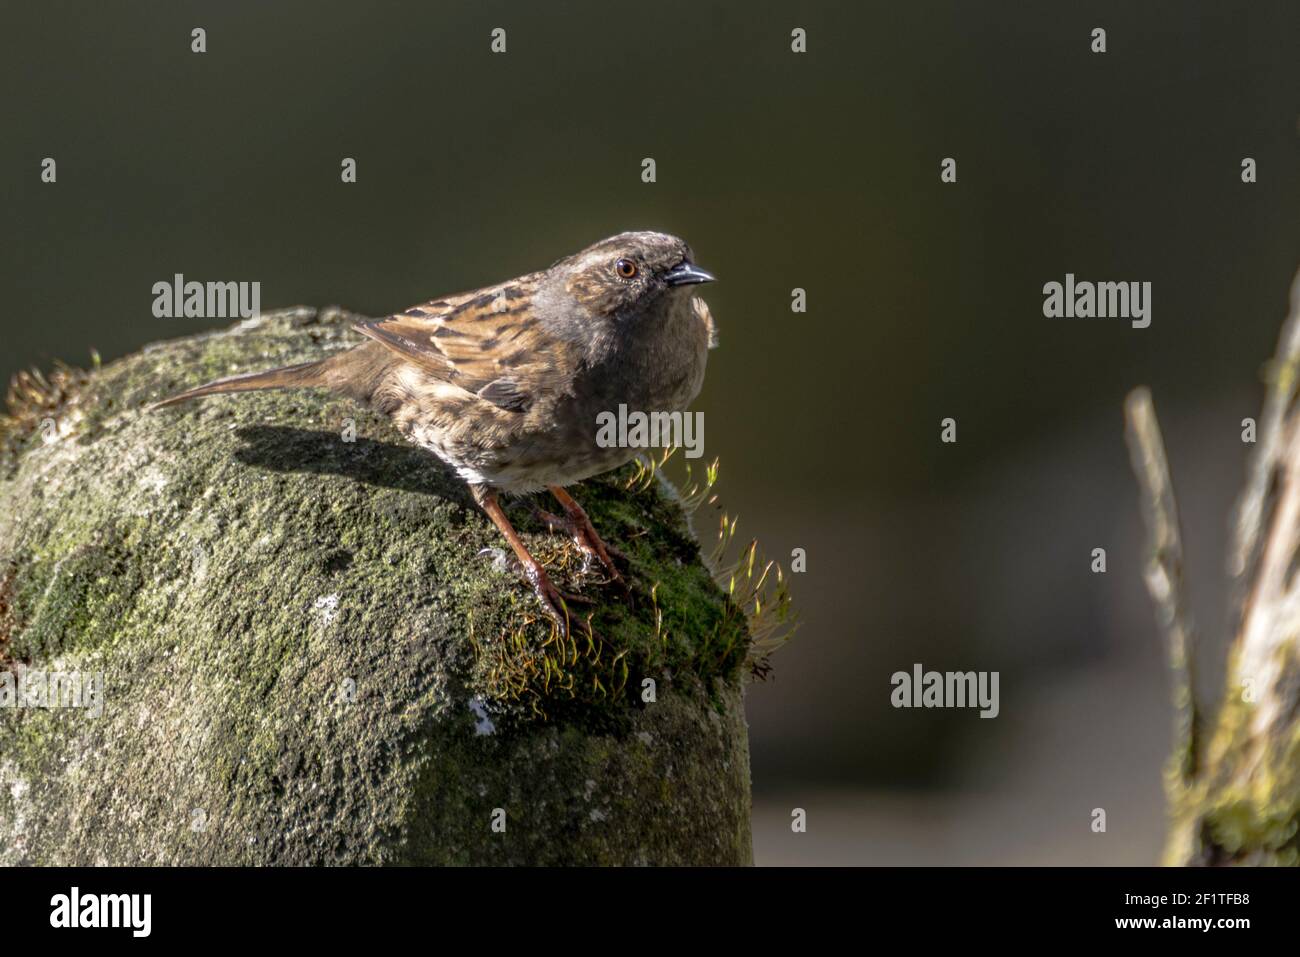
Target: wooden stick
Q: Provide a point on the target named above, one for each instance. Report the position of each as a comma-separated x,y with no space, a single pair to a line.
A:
1164,569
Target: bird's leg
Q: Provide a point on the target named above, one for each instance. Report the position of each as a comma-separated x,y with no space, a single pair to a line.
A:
553,522
546,592
584,535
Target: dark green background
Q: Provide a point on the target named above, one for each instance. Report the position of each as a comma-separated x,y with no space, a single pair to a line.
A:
819,171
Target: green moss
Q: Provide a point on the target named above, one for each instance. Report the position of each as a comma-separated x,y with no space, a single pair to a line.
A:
298,636
76,598
677,623
626,808
1244,807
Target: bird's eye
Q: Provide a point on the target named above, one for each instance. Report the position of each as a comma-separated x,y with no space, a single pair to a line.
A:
626,269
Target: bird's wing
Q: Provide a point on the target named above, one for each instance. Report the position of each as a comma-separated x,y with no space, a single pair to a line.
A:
489,342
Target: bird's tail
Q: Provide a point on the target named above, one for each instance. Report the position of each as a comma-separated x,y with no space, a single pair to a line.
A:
289,377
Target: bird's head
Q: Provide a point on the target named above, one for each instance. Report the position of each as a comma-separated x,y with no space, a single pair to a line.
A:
623,276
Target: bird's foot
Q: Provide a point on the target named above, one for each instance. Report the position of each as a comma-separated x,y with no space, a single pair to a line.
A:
556,604
578,527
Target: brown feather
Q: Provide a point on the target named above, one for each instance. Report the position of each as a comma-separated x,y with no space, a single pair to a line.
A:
488,339
358,373
288,377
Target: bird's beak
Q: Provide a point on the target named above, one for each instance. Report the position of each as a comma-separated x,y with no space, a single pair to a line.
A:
686,274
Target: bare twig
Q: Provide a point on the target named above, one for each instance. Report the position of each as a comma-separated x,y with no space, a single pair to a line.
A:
1234,790
1256,498
1164,569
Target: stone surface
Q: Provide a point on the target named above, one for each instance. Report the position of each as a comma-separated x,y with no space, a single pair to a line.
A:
308,657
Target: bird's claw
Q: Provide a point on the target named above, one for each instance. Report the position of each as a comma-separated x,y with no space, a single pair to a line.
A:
554,602
594,550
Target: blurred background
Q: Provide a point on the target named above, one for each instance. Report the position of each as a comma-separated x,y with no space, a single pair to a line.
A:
818,171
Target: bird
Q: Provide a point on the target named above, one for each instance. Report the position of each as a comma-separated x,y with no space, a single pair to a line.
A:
505,384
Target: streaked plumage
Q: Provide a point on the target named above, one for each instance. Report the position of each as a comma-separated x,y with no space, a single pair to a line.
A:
505,383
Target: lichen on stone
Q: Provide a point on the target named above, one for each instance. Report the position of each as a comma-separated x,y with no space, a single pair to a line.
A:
301,640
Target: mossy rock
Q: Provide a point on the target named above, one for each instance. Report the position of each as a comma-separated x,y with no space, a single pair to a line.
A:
310,654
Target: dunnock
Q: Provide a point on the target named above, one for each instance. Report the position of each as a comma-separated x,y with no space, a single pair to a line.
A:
505,383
